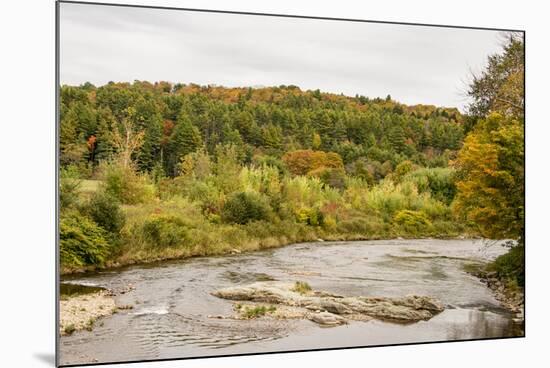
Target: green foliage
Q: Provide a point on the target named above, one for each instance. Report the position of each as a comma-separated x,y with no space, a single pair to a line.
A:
185,139
125,185
161,231
250,312
439,182
365,226
166,123
105,210
301,287
500,87
82,241
403,169
491,163
244,207
213,169
309,216
69,329
335,178
227,168
413,221
69,186
510,266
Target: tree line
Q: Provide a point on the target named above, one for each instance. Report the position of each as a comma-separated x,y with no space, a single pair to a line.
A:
175,119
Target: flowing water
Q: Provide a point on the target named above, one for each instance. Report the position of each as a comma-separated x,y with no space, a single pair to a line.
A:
172,302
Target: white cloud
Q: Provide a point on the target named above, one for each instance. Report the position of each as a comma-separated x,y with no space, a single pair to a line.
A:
412,63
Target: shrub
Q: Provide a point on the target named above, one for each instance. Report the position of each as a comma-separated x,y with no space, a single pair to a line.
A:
244,207
301,287
124,184
69,329
329,223
439,182
82,241
68,193
412,221
360,169
402,169
270,161
335,178
367,226
510,265
162,231
250,312
386,198
105,210
206,194
309,216
69,186
263,179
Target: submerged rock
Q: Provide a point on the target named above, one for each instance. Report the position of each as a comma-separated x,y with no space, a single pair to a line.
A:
330,309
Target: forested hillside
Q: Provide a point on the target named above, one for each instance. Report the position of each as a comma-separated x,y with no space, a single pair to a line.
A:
371,135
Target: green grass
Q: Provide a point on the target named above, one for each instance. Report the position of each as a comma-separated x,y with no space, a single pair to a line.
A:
90,324
510,266
89,186
301,287
69,329
255,312
474,268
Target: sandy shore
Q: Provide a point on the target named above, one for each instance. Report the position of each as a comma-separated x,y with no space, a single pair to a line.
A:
81,312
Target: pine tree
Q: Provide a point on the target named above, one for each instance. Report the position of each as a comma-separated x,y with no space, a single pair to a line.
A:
185,139
397,138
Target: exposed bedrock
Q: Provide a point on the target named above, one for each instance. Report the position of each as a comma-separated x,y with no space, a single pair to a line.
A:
331,309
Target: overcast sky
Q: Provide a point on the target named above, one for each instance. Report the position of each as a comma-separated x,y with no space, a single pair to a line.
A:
414,64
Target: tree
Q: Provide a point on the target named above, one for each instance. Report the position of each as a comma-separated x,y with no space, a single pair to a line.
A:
302,162
500,87
126,140
272,136
397,138
148,119
316,141
185,139
72,147
490,172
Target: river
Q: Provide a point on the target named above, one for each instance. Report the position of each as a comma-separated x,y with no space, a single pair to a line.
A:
172,302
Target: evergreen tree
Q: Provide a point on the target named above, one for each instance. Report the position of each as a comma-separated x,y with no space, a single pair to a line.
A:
397,138
185,139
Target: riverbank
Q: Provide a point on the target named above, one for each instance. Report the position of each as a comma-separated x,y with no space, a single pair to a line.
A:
509,295
82,306
148,256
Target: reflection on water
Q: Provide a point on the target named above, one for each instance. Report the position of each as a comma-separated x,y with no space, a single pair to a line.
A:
172,300
72,289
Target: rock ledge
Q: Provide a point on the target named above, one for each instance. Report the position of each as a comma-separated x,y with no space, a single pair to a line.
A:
329,309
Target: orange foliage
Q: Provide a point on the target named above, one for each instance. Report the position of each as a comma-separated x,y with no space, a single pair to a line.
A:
91,143
302,162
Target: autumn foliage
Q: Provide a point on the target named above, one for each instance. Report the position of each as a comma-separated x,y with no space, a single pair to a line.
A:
491,178
302,162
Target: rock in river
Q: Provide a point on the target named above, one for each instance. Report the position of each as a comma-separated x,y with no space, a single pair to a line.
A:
330,309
